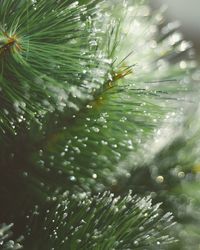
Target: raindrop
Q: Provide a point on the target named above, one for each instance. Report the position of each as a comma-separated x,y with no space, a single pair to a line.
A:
95,129
94,176
72,178
159,179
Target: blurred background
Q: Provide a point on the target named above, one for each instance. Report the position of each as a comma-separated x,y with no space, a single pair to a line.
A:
187,13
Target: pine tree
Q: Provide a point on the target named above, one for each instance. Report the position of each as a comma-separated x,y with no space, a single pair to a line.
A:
92,94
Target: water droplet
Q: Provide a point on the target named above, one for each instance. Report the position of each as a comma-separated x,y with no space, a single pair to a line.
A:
95,129
72,178
94,176
159,179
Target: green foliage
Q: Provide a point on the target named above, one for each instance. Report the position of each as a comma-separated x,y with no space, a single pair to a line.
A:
102,222
109,94
173,177
89,149
48,56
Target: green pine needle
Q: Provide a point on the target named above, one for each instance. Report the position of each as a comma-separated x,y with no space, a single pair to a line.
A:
103,101
90,148
99,222
45,49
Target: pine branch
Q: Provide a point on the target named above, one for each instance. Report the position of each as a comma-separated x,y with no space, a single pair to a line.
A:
173,175
117,110
41,63
102,222
90,148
